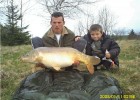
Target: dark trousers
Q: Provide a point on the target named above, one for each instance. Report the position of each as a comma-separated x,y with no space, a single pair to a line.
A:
37,42
79,45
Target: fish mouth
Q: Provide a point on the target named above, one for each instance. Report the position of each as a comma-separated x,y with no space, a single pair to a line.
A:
28,60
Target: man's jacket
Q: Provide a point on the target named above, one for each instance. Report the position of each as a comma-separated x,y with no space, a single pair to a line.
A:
66,39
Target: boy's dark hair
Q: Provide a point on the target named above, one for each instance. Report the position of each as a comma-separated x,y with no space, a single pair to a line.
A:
57,14
96,27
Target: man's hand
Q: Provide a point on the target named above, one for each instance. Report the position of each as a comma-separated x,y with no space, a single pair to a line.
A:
76,63
107,54
40,65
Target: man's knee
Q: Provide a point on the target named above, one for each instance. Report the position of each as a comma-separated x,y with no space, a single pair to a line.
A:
37,42
80,45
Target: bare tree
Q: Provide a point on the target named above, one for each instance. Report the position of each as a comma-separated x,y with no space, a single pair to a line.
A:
1,1
3,9
68,7
83,26
21,6
138,33
81,29
107,20
24,9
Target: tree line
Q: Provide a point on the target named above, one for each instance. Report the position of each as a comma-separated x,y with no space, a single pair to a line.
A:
122,34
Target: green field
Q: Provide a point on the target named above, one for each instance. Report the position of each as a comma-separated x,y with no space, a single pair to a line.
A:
13,70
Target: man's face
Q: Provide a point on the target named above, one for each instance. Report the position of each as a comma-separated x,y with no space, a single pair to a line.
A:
96,35
57,24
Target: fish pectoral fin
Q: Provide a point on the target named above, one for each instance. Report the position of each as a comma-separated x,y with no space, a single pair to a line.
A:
95,60
90,68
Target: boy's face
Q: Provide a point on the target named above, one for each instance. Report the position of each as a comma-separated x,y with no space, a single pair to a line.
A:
96,35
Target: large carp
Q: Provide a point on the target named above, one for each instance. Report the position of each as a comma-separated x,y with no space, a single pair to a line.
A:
60,57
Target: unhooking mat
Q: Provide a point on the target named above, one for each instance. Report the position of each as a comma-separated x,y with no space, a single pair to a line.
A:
67,85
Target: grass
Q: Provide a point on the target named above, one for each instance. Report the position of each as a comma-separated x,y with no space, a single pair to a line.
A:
128,74
13,71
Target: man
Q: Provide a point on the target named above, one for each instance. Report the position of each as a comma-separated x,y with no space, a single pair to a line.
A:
57,36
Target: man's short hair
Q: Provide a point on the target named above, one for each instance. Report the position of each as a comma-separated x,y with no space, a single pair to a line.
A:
57,14
96,27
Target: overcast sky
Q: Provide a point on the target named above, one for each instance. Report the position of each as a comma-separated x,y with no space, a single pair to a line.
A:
126,11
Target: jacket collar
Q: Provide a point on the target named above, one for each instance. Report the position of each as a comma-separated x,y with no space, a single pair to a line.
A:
52,34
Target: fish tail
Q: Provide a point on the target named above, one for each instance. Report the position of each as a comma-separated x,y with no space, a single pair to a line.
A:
90,61
90,68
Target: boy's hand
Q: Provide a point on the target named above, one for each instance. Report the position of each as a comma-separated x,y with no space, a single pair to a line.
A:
107,54
77,38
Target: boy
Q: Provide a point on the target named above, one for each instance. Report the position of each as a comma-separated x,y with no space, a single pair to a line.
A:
99,44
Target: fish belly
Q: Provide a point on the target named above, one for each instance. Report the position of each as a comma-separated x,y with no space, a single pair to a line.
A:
60,61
